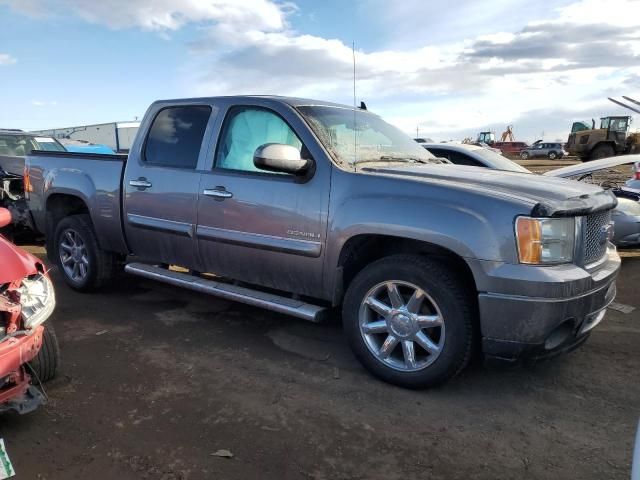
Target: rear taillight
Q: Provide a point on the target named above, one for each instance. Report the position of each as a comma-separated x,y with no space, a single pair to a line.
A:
636,170
26,180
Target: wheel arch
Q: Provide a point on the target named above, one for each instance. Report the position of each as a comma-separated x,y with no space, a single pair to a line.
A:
362,249
59,205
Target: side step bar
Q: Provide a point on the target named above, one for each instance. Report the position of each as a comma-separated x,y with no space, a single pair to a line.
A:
256,298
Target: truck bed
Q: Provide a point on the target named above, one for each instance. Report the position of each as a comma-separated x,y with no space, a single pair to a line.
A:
94,178
13,165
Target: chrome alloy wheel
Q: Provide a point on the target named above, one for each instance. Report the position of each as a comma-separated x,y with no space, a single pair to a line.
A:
73,255
402,326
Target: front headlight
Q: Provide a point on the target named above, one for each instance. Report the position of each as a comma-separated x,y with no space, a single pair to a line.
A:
543,241
37,299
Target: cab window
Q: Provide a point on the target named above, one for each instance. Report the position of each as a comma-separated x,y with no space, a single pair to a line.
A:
176,135
246,129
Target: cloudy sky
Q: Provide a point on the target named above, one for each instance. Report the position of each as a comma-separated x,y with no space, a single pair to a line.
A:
449,69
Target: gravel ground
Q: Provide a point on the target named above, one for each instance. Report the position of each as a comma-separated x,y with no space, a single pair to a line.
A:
159,383
156,381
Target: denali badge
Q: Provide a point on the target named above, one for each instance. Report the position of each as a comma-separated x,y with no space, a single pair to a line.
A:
297,233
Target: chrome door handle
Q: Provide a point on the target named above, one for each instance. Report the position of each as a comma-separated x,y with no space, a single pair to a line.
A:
217,192
140,183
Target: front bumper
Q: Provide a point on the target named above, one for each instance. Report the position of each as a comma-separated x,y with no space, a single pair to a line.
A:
16,393
543,311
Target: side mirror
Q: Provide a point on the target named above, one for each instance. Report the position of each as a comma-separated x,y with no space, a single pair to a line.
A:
280,158
5,217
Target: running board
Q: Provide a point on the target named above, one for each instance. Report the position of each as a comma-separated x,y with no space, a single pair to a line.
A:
256,298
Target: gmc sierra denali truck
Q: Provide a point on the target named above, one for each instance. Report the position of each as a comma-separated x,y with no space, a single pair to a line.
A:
299,206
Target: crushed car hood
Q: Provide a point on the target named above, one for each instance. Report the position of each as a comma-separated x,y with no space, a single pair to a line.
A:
592,166
16,263
548,196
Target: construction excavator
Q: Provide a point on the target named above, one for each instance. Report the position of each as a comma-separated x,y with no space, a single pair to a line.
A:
612,138
490,138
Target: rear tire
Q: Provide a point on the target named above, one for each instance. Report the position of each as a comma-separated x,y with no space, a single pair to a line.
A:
82,263
444,315
45,364
553,155
602,151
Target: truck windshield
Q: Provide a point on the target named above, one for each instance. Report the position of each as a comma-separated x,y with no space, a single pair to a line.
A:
361,137
21,145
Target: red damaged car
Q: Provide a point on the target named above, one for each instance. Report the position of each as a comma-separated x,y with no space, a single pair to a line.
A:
28,348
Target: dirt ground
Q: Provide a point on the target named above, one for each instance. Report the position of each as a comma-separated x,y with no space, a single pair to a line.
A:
155,380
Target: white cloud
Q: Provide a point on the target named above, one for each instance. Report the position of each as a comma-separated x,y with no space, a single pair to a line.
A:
6,59
569,62
40,103
163,14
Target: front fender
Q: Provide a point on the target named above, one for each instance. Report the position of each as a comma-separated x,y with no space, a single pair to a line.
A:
469,224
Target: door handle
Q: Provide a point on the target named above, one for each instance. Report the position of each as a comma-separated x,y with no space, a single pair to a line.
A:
218,192
140,183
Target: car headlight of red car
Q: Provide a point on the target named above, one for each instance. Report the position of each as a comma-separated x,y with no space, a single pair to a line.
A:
37,299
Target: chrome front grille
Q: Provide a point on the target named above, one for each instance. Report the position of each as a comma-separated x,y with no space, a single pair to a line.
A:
596,235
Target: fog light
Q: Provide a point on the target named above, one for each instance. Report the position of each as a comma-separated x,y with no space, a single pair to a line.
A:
559,335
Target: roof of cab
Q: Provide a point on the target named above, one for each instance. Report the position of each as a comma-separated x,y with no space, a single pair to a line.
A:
293,101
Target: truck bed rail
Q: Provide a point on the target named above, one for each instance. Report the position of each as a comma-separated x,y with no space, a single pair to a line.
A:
116,157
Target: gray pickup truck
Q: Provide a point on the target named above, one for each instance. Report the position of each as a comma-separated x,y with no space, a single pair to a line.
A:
299,206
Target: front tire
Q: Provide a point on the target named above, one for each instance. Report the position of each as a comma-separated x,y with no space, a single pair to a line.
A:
82,263
45,364
524,155
553,155
602,151
408,319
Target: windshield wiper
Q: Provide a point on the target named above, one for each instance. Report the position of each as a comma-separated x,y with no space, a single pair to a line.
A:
388,158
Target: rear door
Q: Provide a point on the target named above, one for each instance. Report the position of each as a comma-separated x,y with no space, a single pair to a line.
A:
161,183
259,227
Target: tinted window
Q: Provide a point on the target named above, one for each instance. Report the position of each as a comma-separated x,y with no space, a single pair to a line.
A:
462,159
438,152
245,130
176,136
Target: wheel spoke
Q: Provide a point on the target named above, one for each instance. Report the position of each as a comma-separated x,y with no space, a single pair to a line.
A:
83,269
394,295
69,237
387,347
429,321
379,326
67,260
378,307
415,302
76,270
66,247
426,343
84,260
409,353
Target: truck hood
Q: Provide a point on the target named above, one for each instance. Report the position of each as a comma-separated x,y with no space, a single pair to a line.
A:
548,197
592,166
16,263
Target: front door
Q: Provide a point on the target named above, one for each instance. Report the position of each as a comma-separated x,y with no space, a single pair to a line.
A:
259,227
161,186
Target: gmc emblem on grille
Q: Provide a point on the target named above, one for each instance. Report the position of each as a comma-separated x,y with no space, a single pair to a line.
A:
606,233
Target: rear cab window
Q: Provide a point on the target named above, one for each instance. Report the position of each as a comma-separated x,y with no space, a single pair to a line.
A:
176,135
